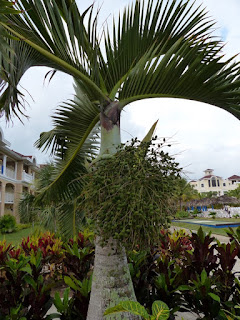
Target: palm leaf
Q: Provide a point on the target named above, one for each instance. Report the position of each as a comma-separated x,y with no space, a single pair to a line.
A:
159,24
6,7
74,140
189,71
48,42
20,59
70,218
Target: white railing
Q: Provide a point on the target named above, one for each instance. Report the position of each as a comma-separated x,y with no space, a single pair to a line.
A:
9,197
27,177
10,173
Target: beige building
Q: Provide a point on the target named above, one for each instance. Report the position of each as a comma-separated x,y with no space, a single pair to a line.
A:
212,183
17,173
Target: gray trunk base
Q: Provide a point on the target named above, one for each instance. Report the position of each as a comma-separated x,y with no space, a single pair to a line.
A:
111,283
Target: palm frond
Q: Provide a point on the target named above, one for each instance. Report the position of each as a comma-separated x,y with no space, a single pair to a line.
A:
157,25
6,7
189,71
70,219
51,34
21,57
74,140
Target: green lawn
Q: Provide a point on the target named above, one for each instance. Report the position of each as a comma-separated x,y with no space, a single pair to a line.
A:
16,237
220,231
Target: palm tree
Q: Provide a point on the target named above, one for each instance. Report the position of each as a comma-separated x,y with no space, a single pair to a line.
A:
185,192
235,192
155,49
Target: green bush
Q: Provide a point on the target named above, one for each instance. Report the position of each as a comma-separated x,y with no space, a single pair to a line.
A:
8,224
213,214
22,226
182,214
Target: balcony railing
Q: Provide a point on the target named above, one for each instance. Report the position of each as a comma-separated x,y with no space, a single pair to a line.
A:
27,177
10,173
9,197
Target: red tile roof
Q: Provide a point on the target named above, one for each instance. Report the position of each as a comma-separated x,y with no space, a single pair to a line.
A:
234,177
21,155
209,176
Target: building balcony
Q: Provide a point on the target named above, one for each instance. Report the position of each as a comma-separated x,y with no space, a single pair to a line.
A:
27,177
10,173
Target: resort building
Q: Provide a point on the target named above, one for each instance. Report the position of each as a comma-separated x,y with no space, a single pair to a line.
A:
212,183
17,173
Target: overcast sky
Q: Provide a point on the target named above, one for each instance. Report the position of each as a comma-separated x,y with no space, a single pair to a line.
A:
204,136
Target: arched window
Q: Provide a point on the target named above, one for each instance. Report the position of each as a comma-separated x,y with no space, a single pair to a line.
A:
214,182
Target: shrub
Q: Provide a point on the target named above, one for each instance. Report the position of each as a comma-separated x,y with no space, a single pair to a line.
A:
187,274
21,226
182,214
213,214
7,223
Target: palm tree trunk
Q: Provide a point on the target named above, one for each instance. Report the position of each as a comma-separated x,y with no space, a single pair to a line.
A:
111,282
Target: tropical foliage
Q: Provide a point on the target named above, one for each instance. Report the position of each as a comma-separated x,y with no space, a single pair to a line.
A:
187,275
193,273
31,272
155,49
160,310
185,192
8,223
59,217
235,192
130,195
164,44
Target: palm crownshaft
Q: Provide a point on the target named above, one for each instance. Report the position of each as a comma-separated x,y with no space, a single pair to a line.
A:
157,49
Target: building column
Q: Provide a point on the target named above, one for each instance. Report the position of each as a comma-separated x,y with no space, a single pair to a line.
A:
3,199
15,170
18,189
19,170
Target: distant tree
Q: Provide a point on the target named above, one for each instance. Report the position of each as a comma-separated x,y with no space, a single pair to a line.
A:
62,217
185,192
235,193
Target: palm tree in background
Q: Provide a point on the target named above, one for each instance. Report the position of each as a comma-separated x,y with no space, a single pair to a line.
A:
154,49
60,217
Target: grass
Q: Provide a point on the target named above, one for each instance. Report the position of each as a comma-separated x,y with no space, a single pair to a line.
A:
16,237
195,227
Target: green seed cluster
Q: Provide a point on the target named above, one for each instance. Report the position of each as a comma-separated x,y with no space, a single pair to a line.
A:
130,195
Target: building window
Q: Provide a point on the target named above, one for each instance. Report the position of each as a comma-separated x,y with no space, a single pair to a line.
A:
224,184
209,183
218,183
214,182
202,185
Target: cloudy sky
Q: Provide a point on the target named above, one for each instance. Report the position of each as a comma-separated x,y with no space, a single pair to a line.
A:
203,136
